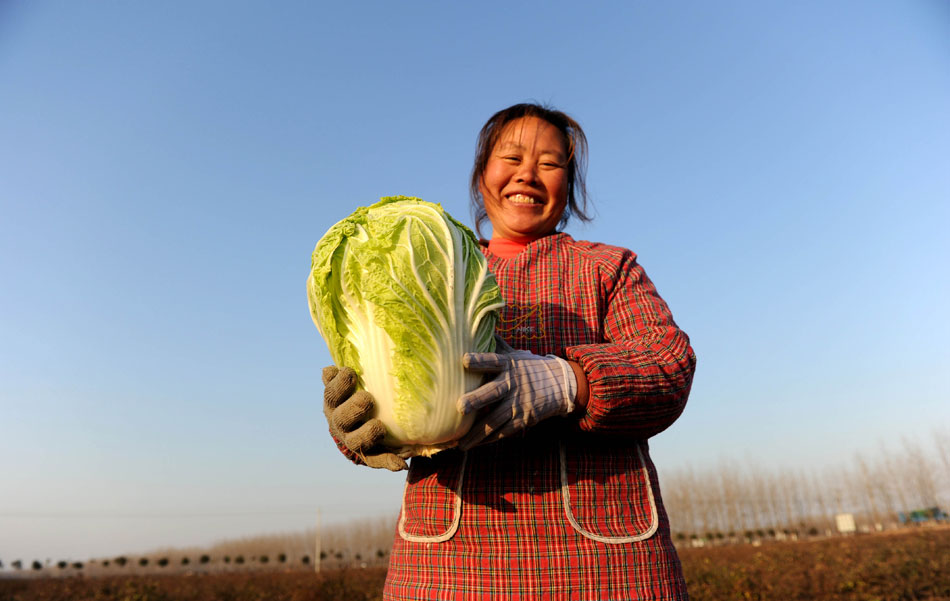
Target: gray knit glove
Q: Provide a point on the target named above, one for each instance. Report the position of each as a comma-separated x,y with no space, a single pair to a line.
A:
347,414
528,388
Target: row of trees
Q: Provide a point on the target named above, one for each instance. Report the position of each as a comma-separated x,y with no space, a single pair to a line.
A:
161,562
18,564
736,502
364,541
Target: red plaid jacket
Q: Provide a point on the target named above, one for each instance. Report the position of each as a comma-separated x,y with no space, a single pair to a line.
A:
571,509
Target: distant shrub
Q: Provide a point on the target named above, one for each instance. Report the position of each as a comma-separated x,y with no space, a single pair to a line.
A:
205,559
37,565
163,562
143,561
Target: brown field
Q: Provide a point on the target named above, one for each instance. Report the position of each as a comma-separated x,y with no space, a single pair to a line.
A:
908,565
905,565
350,584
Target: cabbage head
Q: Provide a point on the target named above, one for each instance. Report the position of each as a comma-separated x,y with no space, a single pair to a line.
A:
400,291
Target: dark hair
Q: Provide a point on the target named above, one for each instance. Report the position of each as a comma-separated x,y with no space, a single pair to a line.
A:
574,139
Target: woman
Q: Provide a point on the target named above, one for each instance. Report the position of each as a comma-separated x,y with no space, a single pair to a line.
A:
552,494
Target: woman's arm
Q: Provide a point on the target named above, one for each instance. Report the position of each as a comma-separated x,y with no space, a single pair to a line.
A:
638,380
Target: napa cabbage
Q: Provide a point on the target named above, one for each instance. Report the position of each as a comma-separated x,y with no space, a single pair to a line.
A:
400,291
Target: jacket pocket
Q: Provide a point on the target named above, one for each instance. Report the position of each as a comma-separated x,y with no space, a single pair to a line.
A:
607,493
432,500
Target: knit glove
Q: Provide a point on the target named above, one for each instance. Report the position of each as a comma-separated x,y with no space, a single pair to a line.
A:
528,388
347,414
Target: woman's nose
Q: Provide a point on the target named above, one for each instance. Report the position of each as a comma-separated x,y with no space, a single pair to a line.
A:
526,174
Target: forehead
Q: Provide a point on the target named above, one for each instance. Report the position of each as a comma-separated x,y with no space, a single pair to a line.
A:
534,133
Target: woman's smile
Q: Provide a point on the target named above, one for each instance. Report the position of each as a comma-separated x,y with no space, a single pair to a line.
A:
521,199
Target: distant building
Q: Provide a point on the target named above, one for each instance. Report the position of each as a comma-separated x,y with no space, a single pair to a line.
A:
845,523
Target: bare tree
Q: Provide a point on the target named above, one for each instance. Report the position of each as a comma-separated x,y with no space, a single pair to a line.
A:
892,473
867,484
776,502
941,440
730,485
676,494
920,474
822,503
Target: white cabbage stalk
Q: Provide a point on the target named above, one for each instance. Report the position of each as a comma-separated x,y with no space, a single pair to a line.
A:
400,291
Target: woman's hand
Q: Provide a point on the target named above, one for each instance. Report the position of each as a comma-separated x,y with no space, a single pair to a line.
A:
347,414
528,388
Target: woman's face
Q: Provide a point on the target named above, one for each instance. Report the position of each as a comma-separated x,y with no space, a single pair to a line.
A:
524,184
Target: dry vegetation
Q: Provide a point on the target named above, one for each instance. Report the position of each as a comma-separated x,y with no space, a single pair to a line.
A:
336,585
912,564
740,504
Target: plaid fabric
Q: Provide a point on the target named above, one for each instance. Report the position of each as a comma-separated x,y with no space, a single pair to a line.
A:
571,509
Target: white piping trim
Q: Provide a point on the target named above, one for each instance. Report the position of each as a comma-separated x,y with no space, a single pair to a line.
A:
457,513
613,540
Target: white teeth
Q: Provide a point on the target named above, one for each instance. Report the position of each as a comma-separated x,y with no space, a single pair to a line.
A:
521,199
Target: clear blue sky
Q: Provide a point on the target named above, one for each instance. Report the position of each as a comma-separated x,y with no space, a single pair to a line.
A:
782,170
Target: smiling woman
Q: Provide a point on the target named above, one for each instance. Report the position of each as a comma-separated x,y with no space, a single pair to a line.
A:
552,493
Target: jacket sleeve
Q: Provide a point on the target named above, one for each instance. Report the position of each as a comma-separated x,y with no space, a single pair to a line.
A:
640,377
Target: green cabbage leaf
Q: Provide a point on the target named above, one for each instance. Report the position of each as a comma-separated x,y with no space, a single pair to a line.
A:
400,291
